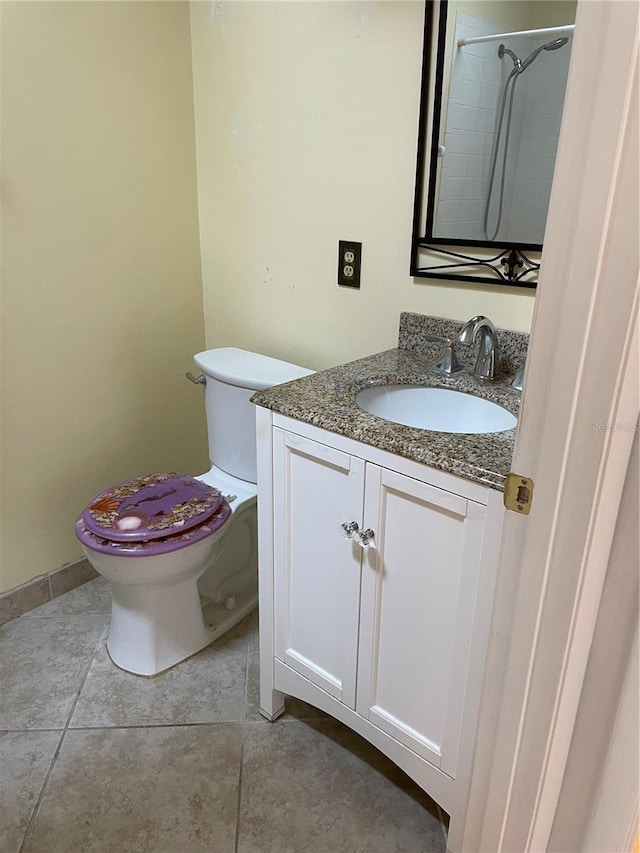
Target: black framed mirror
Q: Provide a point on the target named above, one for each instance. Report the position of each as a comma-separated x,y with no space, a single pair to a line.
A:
493,83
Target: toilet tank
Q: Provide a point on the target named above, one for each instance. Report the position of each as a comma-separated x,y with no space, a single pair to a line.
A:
233,376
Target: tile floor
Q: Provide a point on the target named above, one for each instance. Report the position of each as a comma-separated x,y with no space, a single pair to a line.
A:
93,759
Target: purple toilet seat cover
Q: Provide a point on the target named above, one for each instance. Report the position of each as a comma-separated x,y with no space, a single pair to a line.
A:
151,507
154,514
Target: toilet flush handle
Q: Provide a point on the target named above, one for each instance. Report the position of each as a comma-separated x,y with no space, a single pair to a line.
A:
197,380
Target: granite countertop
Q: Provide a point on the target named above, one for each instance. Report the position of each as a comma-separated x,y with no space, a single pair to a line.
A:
327,399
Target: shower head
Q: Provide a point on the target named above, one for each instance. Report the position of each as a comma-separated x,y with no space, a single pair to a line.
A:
550,45
517,62
555,44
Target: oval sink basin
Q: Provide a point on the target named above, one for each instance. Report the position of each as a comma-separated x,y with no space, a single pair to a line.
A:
436,409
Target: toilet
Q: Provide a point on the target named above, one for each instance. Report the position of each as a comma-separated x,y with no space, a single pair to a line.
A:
181,552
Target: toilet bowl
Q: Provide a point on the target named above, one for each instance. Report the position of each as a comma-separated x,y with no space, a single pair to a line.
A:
180,552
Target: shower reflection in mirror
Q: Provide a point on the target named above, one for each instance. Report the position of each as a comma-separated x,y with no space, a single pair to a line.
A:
501,123
501,138
494,81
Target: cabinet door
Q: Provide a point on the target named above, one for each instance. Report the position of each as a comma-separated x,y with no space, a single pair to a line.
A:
316,569
418,593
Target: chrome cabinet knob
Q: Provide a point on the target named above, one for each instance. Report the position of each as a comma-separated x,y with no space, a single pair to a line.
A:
350,529
365,538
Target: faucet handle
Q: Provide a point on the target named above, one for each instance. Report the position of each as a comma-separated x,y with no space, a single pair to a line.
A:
518,381
449,362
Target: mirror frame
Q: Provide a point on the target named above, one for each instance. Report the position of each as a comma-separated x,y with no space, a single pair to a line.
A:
474,261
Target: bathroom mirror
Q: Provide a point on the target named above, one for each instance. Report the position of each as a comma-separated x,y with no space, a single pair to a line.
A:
493,84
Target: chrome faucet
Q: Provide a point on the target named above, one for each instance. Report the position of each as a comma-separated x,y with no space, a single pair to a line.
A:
488,354
518,380
449,362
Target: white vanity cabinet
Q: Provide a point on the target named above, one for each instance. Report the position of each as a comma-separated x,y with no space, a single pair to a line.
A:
419,588
385,630
316,569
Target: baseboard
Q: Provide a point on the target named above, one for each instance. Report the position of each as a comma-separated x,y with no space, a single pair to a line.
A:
14,602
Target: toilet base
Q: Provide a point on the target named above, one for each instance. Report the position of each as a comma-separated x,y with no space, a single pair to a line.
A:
219,620
147,639
155,627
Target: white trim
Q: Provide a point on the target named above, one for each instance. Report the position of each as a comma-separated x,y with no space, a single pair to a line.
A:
580,370
632,839
541,33
614,825
272,701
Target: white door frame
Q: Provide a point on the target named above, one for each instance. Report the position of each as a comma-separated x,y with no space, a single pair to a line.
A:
582,377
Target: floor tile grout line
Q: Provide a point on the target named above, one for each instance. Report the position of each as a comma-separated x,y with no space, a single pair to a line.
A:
239,796
63,735
32,615
240,720
42,790
83,680
99,728
126,726
243,730
284,720
11,731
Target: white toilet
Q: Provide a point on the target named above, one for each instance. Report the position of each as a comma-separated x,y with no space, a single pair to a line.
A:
181,552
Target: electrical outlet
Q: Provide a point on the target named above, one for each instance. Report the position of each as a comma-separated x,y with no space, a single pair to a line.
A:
349,258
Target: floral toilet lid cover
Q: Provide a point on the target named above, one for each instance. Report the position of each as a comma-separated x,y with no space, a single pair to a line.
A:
157,512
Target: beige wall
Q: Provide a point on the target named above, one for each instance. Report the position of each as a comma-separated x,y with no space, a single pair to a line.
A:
101,286
519,14
306,124
306,132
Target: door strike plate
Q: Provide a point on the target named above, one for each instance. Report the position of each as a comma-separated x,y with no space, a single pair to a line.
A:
518,493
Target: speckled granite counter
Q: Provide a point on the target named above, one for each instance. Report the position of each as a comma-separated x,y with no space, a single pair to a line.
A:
327,399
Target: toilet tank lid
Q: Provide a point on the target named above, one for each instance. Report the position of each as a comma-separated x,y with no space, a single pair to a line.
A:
247,369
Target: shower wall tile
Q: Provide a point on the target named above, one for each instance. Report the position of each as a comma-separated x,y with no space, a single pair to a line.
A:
475,89
543,104
471,115
462,189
